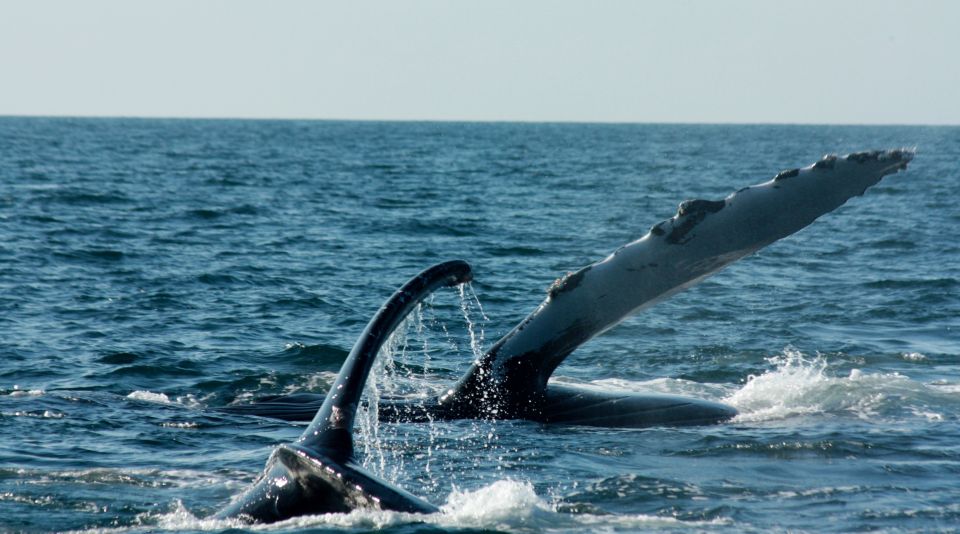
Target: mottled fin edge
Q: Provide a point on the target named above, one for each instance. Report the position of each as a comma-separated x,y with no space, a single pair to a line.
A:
511,385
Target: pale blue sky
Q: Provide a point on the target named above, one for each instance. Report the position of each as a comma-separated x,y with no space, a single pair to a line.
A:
811,61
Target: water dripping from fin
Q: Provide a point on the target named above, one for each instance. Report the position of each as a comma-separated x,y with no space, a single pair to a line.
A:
485,429
417,363
469,300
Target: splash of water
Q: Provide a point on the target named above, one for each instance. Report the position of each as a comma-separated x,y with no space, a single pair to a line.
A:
505,505
486,427
405,368
468,299
376,456
501,503
800,385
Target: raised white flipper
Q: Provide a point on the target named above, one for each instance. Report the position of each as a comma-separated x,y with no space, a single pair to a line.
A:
703,237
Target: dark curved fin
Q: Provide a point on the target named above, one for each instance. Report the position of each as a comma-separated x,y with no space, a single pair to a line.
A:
318,474
331,430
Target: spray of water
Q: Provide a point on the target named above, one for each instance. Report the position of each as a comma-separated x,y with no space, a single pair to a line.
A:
407,367
800,385
485,428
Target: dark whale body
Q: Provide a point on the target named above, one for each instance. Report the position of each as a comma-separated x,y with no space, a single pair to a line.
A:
563,404
510,381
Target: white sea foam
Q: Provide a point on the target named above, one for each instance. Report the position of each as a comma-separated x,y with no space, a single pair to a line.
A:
506,505
188,424
801,385
46,414
42,481
503,504
17,392
189,400
149,396
946,387
928,415
192,401
319,381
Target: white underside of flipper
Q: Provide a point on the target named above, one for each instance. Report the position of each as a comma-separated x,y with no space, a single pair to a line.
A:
703,237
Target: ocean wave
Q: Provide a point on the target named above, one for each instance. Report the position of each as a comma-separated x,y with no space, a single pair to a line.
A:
136,477
72,196
188,400
321,353
935,283
504,505
91,255
44,414
149,396
801,385
17,392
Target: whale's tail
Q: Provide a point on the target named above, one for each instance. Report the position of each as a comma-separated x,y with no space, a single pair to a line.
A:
319,473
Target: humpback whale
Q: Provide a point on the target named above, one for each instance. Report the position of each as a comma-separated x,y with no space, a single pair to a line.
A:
319,473
510,381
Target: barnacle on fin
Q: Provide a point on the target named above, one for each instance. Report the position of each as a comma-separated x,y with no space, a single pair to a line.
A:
689,215
568,282
826,162
783,175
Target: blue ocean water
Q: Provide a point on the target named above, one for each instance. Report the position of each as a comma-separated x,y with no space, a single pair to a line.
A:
152,270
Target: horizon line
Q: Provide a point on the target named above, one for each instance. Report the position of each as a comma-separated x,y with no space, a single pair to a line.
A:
468,121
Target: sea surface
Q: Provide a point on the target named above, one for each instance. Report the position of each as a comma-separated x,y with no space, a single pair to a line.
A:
154,270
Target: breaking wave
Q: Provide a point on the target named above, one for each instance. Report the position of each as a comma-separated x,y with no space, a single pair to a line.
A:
800,385
505,505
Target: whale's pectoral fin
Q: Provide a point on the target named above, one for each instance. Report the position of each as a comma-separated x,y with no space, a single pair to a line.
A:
510,380
318,473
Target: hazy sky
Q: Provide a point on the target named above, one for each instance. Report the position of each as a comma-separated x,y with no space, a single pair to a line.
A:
839,61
